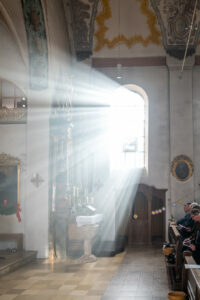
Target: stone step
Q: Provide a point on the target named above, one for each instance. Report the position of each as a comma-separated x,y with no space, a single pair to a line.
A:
12,261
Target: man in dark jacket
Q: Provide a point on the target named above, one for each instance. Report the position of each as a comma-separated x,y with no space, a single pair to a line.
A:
186,220
194,245
185,224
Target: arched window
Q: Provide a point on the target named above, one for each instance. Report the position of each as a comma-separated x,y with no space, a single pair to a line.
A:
128,129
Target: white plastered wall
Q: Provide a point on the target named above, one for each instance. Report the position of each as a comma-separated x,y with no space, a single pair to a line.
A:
12,136
174,126
20,140
154,81
30,142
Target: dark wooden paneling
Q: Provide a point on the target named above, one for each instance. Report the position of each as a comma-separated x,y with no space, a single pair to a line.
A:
138,228
197,60
142,229
157,219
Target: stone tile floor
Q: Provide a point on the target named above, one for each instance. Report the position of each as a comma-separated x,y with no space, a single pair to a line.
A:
139,273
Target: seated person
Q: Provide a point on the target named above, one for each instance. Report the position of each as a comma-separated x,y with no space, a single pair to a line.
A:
191,232
196,226
186,223
182,221
192,244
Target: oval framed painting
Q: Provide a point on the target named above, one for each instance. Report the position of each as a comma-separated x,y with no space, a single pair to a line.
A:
182,167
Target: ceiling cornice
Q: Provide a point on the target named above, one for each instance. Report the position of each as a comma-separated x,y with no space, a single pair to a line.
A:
175,19
82,15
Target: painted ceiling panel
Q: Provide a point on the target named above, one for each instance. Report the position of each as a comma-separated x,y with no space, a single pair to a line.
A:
147,27
129,25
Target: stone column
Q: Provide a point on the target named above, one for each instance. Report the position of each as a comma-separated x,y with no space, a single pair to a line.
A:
181,127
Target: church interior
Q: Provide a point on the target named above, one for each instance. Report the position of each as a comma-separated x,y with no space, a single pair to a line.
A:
99,148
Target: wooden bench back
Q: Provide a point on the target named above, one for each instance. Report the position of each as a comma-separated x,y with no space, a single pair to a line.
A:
176,240
191,280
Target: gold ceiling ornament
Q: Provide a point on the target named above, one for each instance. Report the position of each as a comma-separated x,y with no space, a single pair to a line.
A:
153,37
182,167
179,22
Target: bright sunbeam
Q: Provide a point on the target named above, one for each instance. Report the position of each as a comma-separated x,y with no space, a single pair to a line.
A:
108,146
95,131
126,134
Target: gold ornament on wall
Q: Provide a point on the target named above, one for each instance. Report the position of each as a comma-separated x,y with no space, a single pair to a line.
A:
182,167
153,37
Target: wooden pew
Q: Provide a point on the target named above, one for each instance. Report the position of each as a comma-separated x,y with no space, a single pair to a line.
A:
191,280
176,239
175,270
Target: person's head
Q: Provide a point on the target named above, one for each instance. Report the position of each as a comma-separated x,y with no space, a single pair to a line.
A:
196,207
195,214
187,207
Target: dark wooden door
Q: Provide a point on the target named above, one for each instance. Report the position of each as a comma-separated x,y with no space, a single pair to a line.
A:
138,226
147,227
157,219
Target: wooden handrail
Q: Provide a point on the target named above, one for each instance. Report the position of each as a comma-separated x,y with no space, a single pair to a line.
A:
175,230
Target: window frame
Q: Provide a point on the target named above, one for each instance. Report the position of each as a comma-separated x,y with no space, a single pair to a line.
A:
137,89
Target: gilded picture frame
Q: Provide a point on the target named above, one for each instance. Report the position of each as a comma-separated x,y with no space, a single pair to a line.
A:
182,168
9,184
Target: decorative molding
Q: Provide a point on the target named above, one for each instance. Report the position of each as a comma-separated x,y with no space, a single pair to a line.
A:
8,160
37,43
15,115
37,180
182,167
153,37
175,18
15,112
83,14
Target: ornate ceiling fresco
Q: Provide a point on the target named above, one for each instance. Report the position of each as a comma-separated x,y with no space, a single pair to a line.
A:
175,19
173,16
154,35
